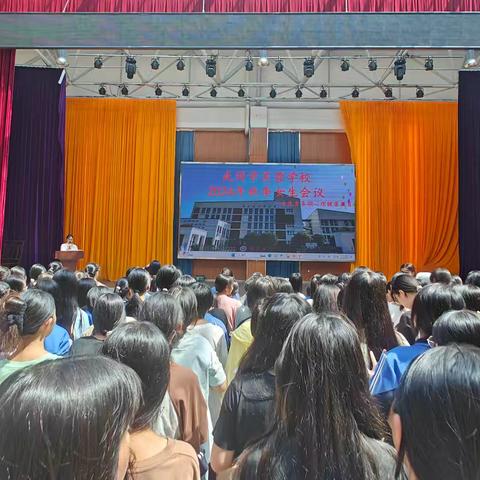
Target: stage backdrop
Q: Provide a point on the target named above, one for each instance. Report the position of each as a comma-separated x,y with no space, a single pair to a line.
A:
120,171
267,212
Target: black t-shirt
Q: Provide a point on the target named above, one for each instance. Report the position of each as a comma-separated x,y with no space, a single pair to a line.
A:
247,411
86,346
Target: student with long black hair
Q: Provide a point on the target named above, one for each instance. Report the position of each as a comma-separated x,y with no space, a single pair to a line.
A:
143,347
456,326
326,298
245,413
326,425
69,316
430,302
191,424
436,420
68,419
166,276
365,304
25,322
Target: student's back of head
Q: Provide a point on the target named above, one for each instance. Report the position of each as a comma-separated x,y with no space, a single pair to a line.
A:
204,296
263,287
165,312
188,303
143,347
108,312
84,286
36,270
441,275
471,296
166,277
66,419
16,283
473,278
296,281
457,326
326,299
436,425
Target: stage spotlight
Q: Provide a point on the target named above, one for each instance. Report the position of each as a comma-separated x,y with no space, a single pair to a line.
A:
308,67
420,93
155,64
263,58
185,91
98,63
471,60
102,90
62,60
158,91
279,66
213,92
372,64
355,92
323,93
130,67
388,92
241,92
298,93
273,93
211,67
345,65
180,64
400,68
429,64
124,90
248,64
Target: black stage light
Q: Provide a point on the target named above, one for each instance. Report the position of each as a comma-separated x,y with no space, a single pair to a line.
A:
185,92
400,68
248,65
130,67
298,93
241,92
155,64
345,65
158,91
98,63
180,64
213,92
124,90
420,93
279,66
355,93
211,67
308,67
372,64
102,90
388,92
273,93
323,93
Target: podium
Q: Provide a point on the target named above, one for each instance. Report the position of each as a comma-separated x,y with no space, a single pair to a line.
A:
69,258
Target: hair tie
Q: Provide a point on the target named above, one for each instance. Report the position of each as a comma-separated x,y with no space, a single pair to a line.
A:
15,319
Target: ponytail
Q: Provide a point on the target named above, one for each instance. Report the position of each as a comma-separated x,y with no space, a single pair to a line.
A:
12,319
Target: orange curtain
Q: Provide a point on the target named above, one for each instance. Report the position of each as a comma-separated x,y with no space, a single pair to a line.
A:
120,173
405,156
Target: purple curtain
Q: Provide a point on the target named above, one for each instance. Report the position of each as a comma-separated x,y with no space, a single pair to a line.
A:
469,170
35,184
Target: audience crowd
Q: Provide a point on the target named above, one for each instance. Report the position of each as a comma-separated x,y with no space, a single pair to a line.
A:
163,376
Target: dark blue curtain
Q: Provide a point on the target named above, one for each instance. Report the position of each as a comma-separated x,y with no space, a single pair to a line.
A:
184,152
35,185
469,170
283,147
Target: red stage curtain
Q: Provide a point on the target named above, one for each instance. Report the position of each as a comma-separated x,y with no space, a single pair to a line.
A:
275,5
7,72
72,6
413,5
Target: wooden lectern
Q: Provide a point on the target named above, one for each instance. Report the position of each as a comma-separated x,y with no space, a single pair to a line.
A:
69,258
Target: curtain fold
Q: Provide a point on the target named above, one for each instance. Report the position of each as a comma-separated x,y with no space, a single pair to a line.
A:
120,175
7,71
275,6
413,5
35,186
469,170
406,160
184,152
283,147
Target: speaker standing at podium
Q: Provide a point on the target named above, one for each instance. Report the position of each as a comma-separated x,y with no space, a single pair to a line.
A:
68,245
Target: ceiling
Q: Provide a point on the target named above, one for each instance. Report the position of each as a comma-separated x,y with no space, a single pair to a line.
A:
84,80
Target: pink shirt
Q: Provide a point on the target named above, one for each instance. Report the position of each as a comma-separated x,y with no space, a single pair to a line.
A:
229,306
